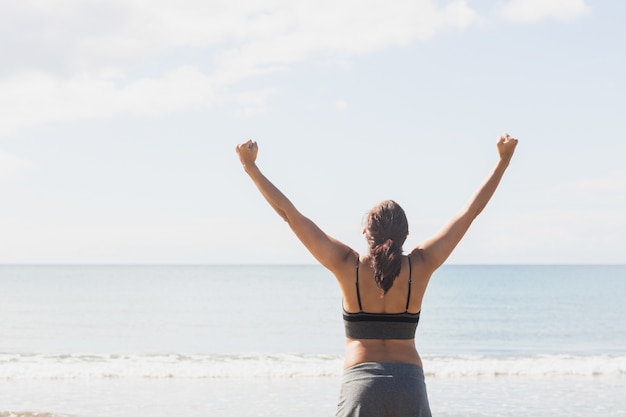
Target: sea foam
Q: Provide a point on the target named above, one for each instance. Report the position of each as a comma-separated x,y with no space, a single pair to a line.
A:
99,366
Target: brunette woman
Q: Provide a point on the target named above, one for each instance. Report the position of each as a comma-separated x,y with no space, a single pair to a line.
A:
382,291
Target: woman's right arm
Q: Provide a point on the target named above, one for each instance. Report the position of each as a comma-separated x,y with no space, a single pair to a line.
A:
436,250
331,253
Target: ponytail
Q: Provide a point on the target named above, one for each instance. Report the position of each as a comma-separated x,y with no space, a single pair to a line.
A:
386,261
387,229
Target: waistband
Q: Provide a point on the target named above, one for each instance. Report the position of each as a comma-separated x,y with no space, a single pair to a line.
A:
385,368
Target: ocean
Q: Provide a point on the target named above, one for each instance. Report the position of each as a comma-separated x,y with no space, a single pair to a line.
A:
239,341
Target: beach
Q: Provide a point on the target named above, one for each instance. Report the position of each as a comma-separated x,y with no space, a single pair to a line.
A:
309,397
91,341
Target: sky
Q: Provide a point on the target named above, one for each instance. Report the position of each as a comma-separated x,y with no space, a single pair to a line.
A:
119,120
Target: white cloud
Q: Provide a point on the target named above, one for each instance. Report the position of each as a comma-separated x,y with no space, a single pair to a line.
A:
535,10
160,25
35,97
12,166
61,71
254,102
276,31
285,30
346,28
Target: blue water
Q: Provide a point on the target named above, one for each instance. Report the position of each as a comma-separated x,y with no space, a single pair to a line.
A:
525,309
280,309
76,328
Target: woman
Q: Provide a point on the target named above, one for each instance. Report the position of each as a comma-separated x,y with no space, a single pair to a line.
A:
382,291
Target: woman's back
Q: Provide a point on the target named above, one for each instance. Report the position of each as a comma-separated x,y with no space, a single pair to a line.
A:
381,327
394,301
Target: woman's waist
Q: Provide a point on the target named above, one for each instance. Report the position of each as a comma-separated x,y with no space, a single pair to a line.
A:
383,369
381,351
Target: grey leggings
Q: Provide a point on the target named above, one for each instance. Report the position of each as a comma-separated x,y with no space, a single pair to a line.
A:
383,390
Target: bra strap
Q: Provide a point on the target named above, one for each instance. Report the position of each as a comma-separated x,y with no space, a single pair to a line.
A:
408,298
358,292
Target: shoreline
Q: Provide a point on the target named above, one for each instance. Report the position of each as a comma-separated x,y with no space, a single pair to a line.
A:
556,396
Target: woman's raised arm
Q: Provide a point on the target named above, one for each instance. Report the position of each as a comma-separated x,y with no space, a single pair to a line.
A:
331,253
436,250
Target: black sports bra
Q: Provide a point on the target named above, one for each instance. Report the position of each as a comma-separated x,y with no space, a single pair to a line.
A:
364,325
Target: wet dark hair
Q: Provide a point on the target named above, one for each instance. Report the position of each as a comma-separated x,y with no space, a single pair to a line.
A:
386,229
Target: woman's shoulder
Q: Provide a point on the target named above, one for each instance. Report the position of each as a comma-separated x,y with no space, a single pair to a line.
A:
419,260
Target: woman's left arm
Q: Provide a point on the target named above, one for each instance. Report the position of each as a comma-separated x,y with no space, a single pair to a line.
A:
437,249
328,251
